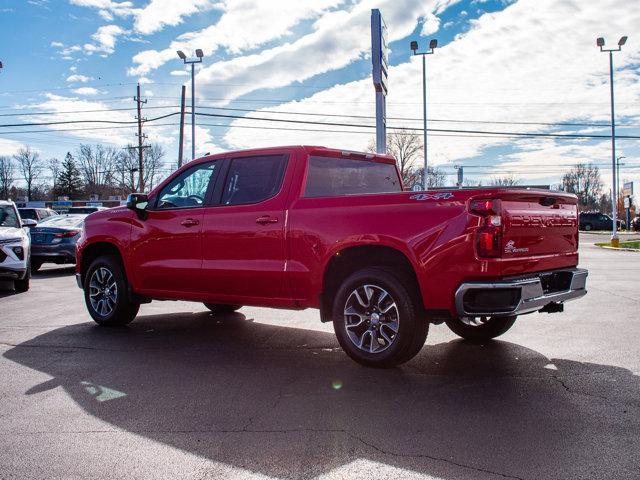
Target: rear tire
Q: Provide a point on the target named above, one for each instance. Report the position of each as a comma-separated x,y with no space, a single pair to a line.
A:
221,309
106,292
493,327
376,320
587,227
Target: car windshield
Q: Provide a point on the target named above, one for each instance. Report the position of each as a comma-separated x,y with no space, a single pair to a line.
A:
64,221
29,213
8,217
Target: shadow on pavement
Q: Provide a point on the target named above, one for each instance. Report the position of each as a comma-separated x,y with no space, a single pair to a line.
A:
287,402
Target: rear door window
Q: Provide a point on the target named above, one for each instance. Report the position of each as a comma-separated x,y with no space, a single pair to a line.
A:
253,179
333,177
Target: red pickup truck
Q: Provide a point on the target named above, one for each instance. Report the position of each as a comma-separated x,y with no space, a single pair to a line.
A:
311,227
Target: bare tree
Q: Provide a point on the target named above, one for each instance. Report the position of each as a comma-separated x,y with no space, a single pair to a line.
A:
584,181
127,166
406,147
6,177
504,182
30,166
97,164
435,177
54,167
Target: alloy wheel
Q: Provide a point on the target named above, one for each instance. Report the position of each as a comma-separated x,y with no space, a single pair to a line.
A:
103,291
371,318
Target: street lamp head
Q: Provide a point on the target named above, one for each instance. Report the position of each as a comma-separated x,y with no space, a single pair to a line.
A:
182,55
433,43
199,53
600,42
414,46
622,41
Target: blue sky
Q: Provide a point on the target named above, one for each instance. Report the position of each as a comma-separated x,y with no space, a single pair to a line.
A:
501,66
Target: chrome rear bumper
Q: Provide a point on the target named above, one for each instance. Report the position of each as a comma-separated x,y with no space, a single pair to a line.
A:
521,295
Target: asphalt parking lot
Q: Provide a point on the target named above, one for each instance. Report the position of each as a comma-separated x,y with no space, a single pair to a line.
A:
269,394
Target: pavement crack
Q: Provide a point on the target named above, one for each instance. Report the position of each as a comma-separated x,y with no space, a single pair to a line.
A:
430,457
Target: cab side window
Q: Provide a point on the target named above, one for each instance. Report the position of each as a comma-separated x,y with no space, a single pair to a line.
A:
189,189
253,179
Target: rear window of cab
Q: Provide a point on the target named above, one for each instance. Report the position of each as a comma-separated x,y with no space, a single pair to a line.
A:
335,177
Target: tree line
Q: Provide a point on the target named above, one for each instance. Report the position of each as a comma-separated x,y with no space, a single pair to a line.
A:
406,146
89,170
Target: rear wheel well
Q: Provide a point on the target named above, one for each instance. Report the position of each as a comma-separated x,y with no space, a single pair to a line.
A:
350,260
95,250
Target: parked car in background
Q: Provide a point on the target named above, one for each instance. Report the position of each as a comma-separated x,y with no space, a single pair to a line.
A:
15,246
37,214
635,224
84,210
597,221
54,240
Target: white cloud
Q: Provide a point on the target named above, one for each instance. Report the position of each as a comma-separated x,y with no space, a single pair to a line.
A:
144,80
497,71
430,25
86,91
105,39
159,13
78,78
243,25
107,8
339,38
179,73
8,147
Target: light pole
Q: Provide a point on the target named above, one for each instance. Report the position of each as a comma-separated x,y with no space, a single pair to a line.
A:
192,62
414,46
600,43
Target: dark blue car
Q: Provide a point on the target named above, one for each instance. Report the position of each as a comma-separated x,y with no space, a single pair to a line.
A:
54,240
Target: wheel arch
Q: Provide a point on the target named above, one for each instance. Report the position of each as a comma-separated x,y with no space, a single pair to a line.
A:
95,250
353,258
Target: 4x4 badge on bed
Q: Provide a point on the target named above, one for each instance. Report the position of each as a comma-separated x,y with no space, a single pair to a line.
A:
432,196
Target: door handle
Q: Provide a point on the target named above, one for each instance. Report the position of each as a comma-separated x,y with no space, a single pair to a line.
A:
266,219
190,222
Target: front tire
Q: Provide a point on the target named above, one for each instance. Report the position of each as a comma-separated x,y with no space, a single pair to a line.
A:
106,292
376,320
587,227
481,329
35,265
22,285
221,309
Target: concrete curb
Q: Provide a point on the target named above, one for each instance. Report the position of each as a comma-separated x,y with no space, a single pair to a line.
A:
622,249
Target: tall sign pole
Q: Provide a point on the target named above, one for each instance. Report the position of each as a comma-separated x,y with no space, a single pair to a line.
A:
379,58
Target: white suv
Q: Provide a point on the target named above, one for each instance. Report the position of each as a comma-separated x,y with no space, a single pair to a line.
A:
15,246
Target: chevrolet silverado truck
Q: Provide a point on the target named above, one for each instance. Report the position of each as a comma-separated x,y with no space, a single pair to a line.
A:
311,227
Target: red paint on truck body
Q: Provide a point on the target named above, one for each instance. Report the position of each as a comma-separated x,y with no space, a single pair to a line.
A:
275,253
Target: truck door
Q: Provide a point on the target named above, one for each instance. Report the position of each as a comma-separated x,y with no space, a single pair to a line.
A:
166,255
243,235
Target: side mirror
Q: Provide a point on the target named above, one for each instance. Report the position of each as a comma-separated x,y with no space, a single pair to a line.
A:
27,222
138,202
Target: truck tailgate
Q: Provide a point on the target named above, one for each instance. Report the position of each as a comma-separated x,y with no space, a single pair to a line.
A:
538,223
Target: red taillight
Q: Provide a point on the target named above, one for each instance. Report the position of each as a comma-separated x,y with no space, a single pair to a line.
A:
70,233
484,207
489,235
489,240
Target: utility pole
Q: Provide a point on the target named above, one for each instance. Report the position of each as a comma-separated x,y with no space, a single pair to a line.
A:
181,146
141,138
